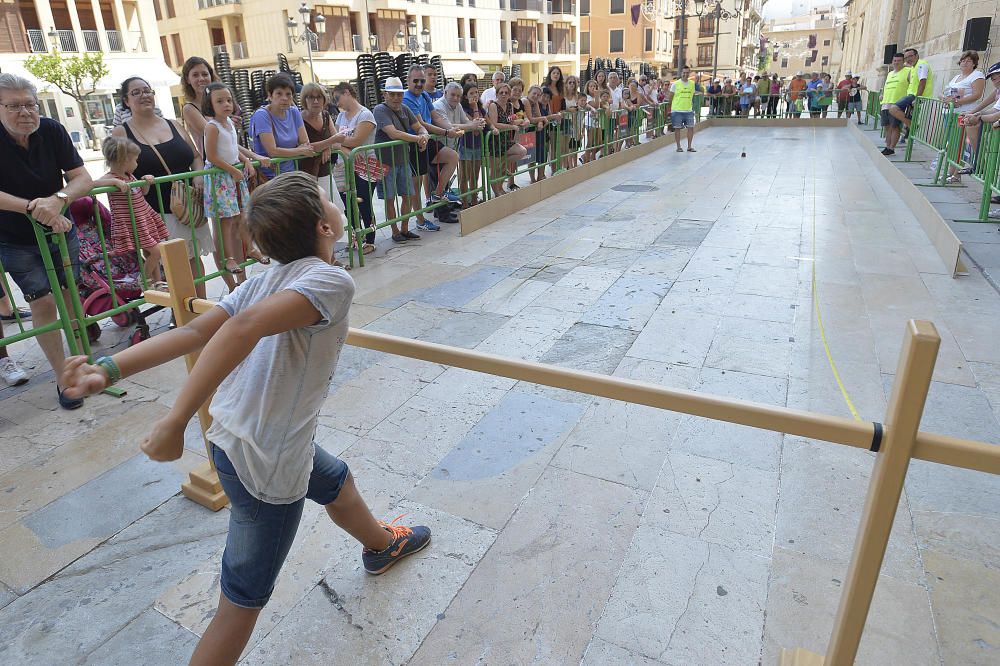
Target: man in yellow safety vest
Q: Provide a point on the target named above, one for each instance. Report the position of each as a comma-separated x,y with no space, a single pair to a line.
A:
681,100
897,82
921,85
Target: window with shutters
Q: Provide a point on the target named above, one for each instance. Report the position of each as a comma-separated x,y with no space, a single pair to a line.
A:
584,42
617,7
13,37
616,41
156,10
175,39
584,7
170,9
648,40
387,24
166,51
705,52
337,36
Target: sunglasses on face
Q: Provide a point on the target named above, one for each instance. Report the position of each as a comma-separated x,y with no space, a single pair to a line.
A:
421,81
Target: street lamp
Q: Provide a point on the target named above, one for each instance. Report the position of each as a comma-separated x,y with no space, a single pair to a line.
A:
307,35
720,15
407,41
54,38
373,41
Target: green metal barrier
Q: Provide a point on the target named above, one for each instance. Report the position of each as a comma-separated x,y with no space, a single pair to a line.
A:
581,136
929,124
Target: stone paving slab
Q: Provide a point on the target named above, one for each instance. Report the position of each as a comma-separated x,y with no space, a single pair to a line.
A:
567,529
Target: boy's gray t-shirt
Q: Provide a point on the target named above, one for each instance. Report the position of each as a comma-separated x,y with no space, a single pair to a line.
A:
264,414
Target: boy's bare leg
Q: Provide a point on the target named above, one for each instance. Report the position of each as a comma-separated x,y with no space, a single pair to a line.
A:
226,636
351,514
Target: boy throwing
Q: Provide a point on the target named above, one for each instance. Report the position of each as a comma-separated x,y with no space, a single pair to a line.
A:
269,352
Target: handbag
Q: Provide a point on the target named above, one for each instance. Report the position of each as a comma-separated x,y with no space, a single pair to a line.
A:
187,202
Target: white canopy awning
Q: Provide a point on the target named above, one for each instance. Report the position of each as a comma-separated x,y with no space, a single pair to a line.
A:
156,73
332,71
454,69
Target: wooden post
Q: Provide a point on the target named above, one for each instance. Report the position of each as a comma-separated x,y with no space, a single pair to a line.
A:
906,407
203,484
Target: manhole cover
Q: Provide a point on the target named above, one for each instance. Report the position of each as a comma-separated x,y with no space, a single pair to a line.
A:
634,188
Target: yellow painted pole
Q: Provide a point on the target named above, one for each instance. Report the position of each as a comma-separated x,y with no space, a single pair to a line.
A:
906,407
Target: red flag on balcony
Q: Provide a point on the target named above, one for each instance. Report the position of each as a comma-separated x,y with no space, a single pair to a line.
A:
635,14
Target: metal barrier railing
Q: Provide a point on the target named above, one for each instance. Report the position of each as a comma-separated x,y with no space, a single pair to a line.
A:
895,442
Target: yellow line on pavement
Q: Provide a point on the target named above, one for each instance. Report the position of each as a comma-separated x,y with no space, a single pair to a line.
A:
815,299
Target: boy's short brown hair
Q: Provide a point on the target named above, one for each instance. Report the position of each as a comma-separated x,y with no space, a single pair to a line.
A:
282,216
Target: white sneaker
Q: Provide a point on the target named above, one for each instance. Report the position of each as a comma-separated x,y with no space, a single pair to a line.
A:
12,372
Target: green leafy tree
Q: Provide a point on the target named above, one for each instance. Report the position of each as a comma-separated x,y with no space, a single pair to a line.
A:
75,76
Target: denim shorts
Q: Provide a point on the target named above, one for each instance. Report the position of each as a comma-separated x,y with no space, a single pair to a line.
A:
23,263
397,183
261,534
680,119
905,103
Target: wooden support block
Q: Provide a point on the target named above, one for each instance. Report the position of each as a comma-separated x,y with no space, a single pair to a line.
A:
800,657
204,488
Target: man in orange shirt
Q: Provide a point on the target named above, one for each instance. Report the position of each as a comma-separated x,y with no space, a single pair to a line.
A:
797,85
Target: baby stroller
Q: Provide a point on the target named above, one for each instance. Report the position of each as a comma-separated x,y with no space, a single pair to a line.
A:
95,291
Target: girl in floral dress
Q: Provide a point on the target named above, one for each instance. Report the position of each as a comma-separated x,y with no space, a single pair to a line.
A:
226,193
121,157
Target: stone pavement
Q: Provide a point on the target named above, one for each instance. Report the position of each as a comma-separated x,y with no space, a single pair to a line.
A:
566,529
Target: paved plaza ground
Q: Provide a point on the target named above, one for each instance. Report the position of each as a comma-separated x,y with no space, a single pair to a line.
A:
567,529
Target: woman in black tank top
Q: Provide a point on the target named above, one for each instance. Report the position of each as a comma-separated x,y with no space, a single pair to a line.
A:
174,145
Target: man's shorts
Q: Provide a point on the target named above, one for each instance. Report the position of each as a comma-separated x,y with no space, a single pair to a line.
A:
420,160
888,120
397,183
23,264
681,119
905,103
854,106
260,534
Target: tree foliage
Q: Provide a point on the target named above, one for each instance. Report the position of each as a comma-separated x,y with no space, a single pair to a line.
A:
75,76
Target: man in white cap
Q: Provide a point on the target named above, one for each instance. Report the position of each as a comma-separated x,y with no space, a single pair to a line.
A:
396,122
843,93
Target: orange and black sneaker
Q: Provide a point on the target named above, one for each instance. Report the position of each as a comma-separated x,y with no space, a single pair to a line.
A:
405,541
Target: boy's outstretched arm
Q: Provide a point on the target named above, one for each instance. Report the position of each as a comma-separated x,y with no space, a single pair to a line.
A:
81,379
284,311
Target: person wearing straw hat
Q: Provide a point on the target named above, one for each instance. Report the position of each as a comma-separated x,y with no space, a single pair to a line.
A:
394,121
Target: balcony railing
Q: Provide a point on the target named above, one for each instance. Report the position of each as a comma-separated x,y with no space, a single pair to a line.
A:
472,44
240,50
208,4
357,43
67,41
91,40
461,44
526,5
219,48
36,40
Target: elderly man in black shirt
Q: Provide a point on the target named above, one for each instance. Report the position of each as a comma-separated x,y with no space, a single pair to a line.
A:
40,174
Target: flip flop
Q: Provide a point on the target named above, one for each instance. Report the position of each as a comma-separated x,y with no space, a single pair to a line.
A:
23,314
259,258
233,271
